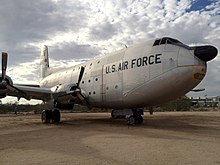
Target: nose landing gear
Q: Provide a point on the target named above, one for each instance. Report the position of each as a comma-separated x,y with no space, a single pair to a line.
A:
135,115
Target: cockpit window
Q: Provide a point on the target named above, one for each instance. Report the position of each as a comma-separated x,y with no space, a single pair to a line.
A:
163,41
167,40
157,42
173,41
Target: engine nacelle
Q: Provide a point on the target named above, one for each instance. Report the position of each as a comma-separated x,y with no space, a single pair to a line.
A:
65,94
64,88
7,79
2,93
3,87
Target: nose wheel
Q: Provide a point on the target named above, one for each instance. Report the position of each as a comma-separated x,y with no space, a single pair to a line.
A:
132,120
136,117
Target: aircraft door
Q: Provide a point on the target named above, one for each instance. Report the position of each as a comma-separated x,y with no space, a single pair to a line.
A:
112,80
103,88
169,59
168,54
96,84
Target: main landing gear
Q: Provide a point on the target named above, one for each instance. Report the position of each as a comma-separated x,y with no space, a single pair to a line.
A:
135,115
136,118
50,116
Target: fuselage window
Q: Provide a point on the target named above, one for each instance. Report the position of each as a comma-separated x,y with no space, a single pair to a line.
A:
96,79
89,81
94,92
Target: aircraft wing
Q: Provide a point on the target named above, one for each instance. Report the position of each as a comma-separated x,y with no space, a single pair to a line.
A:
29,92
45,94
62,93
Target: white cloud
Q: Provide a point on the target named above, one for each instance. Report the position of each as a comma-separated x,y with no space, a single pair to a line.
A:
28,72
82,29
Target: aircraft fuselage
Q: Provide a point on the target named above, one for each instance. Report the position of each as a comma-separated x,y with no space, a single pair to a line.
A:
142,75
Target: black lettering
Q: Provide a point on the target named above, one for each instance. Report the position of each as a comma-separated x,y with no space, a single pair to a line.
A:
139,62
119,67
107,70
132,63
125,66
113,68
144,61
157,58
151,61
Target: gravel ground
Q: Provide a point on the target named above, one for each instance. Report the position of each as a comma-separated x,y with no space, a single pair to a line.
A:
95,138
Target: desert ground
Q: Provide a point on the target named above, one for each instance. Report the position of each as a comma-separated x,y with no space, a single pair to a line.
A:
95,138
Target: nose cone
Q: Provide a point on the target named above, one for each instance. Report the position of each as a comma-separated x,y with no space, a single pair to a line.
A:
205,53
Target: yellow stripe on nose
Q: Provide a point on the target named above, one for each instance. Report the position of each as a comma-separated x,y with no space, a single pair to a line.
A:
198,75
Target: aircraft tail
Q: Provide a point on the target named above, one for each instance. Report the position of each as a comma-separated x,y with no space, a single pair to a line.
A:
44,62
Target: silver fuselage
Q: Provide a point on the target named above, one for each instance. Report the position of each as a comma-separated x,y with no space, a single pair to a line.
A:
139,76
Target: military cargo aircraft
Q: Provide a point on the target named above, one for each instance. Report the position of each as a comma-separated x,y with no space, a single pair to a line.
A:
142,75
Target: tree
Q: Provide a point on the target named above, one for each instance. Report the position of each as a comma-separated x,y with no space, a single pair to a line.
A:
181,104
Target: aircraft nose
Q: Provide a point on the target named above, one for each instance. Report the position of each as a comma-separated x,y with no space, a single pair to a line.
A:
205,53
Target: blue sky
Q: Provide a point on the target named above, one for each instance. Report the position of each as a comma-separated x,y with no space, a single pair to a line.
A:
82,29
200,5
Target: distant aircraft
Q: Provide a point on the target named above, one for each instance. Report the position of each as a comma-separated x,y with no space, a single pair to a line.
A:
143,75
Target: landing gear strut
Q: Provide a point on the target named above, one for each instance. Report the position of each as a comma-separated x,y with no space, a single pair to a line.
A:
151,110
50,116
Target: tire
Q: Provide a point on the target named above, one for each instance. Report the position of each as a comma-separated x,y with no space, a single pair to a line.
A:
139,120
131,120
56,116
112,115
45,116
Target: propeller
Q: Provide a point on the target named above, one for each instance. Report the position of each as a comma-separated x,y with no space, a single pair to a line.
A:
5,83
79,94
80,76
4,65
84,100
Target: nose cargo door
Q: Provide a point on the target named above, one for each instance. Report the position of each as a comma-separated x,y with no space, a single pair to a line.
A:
185,57
170,57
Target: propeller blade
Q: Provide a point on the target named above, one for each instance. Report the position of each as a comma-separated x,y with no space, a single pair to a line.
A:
4,64
80,76
84,100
